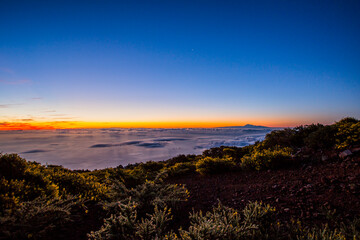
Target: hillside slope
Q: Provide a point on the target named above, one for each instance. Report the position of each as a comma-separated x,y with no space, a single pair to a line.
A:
304,192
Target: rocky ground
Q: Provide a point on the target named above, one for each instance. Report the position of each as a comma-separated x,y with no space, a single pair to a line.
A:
306,192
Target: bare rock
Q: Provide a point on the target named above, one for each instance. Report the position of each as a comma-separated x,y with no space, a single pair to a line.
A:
355,149
345,153
324,157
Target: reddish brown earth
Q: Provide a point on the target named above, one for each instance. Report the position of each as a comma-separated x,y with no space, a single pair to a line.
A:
298,193
301,192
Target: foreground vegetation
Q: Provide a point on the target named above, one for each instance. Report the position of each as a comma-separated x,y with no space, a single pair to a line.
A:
40,202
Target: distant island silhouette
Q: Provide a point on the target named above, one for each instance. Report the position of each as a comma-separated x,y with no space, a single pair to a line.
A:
246,126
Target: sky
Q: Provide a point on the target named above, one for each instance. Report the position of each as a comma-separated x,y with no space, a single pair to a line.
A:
84,64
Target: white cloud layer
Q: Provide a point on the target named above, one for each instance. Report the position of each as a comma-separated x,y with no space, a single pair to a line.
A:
101,148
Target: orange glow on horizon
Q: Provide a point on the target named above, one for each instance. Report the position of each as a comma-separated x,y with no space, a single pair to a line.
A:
190,124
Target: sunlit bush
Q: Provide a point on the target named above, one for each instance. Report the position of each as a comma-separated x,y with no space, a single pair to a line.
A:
149,194
348,133
83,185
349,230
179,169
261,215
228,224
126,224
22,181
209,165
180,159
267,159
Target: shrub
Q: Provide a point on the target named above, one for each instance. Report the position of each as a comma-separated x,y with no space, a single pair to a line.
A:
221,223
290,137
283,138
12,166
236,153
348,133
267,159
22,181
262,215
126,224
149,194
342,231
37,219
226,223
180,169
73,183
180,159
209,165
138,173
321,139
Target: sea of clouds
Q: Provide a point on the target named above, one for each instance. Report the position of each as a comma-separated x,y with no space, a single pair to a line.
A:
101,148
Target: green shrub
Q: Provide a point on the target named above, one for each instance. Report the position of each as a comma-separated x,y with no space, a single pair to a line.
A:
140,172
291,137
73,183
179,169
126,224
342,231
37,219
267,159
12,166
209,165
321,139
149,194
226,223
348,133
22,181
222,223
282,138
321,234
261,215
236,153
180,159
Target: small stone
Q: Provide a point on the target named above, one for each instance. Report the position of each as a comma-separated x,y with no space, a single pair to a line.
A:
324,158
351,178
345,153
355,149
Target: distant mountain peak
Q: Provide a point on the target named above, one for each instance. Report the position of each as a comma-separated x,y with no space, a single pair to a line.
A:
247,126
254,126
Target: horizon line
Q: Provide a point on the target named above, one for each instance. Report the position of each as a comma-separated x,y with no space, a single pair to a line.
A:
57,125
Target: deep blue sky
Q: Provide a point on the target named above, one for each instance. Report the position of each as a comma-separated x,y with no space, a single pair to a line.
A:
271,62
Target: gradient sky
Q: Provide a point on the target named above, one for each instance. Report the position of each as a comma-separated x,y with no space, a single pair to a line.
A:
178,63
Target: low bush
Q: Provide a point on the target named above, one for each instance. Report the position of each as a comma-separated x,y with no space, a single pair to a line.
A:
341,231
180,169
37,219
73,183
267,159
22,181
209,165
127,224
254,222
321,139
180,159
149,194
348,133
